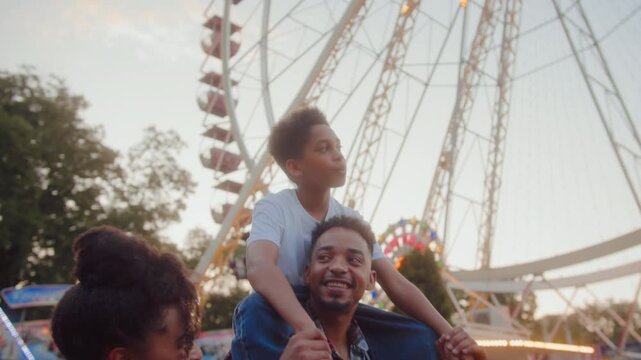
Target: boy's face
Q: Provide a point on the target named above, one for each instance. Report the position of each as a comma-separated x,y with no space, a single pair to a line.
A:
340,270
322,164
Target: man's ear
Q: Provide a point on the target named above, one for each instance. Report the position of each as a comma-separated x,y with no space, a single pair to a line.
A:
306,275
118,353
293,168
372,280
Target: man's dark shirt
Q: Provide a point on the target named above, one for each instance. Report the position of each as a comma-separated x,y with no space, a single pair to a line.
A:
358,348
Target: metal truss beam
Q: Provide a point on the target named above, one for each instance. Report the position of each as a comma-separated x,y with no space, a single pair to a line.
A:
332,54
436,210
496,154
614,315
380,105
335,56
563,317
629,327
608,98
587,320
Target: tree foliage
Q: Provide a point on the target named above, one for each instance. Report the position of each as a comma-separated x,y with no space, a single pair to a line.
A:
196,242
58,178
153,187
419,267
219,308
221,299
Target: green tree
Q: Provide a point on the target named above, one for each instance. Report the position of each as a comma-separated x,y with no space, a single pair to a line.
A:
58,178
151,192
220,300
219,308
419,267
196,242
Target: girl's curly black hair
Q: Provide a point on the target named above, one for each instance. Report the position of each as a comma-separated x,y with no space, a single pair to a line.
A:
124,287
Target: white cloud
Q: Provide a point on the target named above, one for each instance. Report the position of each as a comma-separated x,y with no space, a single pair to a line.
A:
162,30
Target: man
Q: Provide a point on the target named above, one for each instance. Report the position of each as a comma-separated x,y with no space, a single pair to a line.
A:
338,274
309,152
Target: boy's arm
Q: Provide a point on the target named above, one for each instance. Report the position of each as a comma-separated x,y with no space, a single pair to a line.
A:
268,280
407,297
411,300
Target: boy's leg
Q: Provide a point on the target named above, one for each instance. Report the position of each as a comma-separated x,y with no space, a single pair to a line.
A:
393,336
259,332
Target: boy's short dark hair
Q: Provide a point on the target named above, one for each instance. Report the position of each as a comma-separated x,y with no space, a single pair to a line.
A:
289,135
347,222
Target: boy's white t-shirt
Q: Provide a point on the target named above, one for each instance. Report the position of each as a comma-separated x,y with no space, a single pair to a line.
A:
281,219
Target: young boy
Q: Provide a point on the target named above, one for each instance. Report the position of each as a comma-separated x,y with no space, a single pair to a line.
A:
309,152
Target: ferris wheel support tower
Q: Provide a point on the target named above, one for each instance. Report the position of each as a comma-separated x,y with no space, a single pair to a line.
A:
499,130
380,104
436,210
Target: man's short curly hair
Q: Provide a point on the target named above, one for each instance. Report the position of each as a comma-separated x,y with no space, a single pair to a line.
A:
124,288
346,222
289,135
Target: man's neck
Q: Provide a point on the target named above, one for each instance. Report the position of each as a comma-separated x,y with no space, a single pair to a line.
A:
335,326
314,200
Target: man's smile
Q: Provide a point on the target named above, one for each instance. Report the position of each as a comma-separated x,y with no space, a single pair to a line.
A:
338,283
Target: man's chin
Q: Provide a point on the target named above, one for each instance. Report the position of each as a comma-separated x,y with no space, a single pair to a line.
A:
335,305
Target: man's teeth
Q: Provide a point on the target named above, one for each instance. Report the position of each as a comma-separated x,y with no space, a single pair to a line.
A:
337,284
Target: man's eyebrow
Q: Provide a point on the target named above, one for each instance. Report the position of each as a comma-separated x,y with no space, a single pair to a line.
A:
330,247
326,247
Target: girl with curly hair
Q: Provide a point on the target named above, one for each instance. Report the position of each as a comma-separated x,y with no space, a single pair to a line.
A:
131,301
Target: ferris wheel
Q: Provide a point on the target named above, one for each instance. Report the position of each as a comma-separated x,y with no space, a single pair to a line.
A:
495,131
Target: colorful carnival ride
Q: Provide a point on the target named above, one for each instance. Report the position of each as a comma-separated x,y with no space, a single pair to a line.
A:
25,331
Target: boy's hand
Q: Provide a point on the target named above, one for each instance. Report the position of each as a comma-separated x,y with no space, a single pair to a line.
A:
308,344
443,352
461,344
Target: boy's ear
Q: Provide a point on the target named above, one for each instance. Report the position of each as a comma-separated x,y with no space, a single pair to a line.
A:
293,168
372,280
